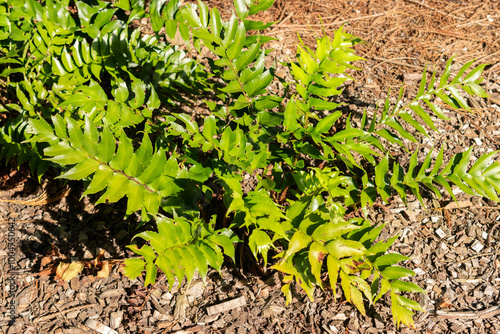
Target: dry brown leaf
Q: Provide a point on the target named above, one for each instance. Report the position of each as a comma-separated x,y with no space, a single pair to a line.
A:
97,261
50,270
45,261
61,268
104,272
73,269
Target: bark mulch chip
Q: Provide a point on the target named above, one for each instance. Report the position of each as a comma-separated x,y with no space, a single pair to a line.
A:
453,247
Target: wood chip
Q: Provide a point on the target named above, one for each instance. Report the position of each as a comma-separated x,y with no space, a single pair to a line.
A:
477,246
272,311
115,319
26,297
441,233
458,205
195,291
181,304
99,327
113,293
227,305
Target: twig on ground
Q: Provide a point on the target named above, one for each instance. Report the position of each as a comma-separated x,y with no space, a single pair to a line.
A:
488,240
284,20
488,313
395,62
456,263
51,316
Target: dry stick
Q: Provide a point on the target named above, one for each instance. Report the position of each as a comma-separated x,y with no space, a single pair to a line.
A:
60,312
488,313
451,33
54,315
400,63
472,257
488,240
282,13
284,20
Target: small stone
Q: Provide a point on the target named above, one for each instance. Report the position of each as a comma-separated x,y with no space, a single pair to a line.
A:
434,219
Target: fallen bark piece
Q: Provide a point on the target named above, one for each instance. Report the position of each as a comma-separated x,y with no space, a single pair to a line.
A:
227,305
115,319
99,327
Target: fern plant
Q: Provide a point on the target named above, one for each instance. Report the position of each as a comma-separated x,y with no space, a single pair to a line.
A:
108,105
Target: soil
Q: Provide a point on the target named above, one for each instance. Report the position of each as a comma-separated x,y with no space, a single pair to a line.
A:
453,246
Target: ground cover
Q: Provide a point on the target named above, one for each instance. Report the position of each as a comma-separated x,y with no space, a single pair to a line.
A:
443,241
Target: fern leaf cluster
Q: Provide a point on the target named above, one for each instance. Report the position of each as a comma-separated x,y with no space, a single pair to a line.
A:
179,249
480,179
144,175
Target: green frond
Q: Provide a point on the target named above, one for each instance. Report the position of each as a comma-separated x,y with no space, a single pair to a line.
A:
179,249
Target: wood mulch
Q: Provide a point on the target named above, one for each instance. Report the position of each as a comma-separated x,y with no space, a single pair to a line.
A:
454,248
